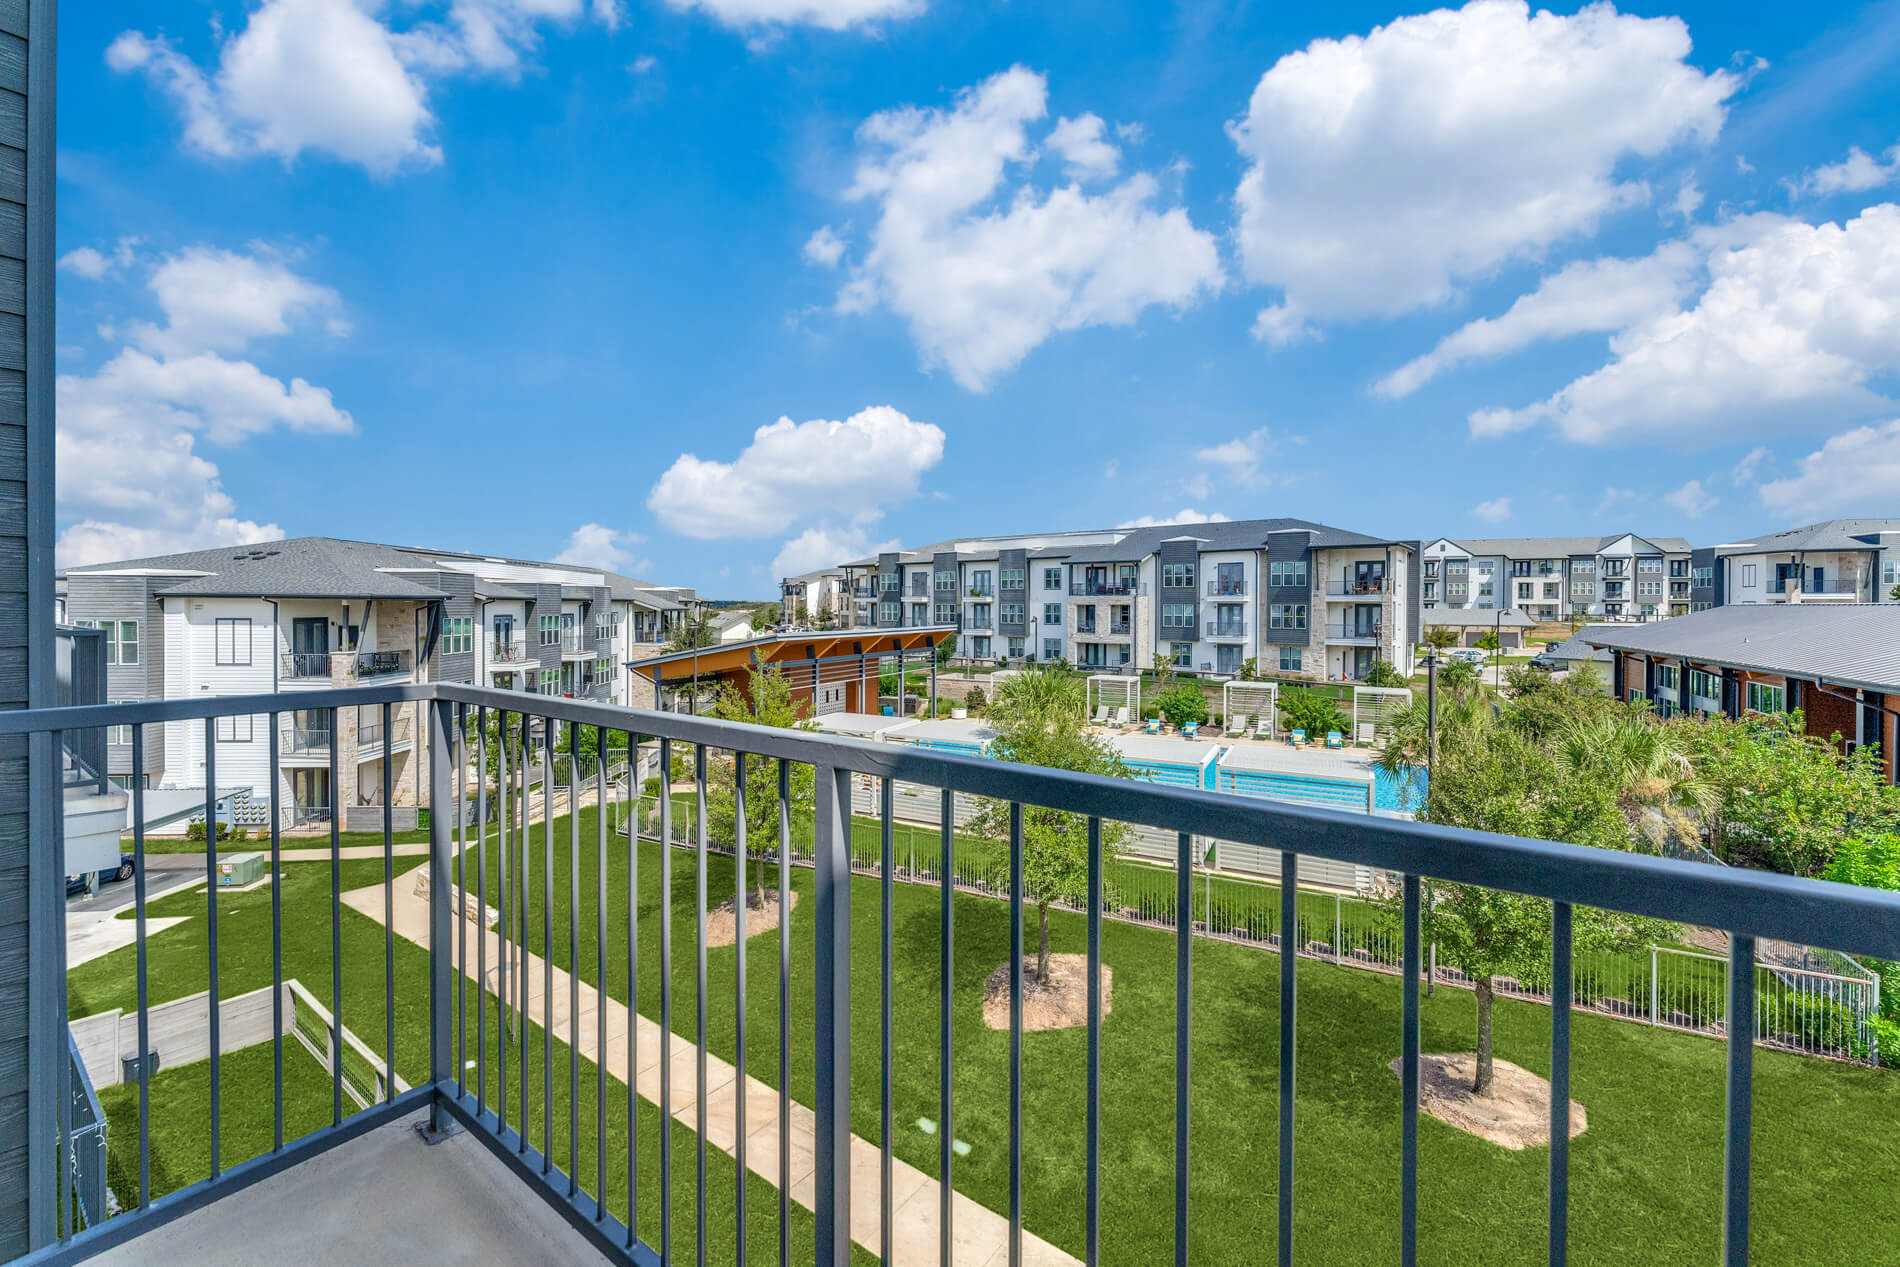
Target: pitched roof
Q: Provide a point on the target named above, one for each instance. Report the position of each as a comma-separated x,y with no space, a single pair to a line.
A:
1476,616
1555,547
301,567
1854,644
1577,646
1833,534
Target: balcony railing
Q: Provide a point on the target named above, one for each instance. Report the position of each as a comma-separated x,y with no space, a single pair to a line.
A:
570,640
301,665
401,729
487,978
1783,585
1353,631
1227,588
1219,630
374,664
1349,586
516,652
295,737
1091,589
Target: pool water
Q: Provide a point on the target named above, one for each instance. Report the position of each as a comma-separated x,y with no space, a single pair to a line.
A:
1391,793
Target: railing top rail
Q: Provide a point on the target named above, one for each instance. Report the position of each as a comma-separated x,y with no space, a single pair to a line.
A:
1757,903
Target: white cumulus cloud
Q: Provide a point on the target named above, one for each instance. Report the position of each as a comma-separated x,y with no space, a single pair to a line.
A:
1386,169
333,77
217,299
1185,515
1795,322
826,545
596,545
1692,499
983,264
1496,510
1242,457
1855,471
830,15
1858,172
824,247
794,471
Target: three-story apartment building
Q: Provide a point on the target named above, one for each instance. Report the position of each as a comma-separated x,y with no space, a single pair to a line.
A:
1839,561
1296,598
311,614
1619,577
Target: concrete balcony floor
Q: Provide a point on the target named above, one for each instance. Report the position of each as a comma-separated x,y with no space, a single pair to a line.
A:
385,1197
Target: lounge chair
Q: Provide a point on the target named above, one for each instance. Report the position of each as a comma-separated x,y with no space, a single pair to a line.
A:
1121,715
1263,728
1154,725
1101,715
1236,725
1335,740
1366,737
1297,738
1190,729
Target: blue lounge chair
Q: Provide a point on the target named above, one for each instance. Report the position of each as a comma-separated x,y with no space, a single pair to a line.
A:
1335,740
1188,731
1297,738
1154,725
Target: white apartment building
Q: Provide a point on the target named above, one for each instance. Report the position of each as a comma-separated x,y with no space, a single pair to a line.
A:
308,615
1838,561
1297,599
816,598
1619,577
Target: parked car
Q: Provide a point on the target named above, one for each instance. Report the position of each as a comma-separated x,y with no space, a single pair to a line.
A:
81,882
1476,655
1545,662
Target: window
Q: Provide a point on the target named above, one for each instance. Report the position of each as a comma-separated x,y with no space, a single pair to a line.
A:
1431,589
1010,613
1292,572
1552,589
889,613
1763,698
1705,684
231,640
1666,676
235,729
1484,589
891,581
946,581
1182,653
1583,567
1017,648
980,648
1178,576
946,613
1649,589
119,734
606,669
1583,589
1052,613
1052,578
550,630
1286,616
1010,578
1748,575
1704,578
919,613
1890,573
1177,615
1649,564
122,639
1525,589
550,679
1290,659
459,635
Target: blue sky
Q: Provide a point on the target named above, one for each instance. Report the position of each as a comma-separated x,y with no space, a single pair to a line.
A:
543,276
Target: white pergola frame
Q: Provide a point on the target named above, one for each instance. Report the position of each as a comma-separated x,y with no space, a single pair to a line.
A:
1376,704
1251,693
1094,690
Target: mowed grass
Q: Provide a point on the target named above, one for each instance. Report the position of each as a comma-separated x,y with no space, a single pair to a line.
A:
1646,1175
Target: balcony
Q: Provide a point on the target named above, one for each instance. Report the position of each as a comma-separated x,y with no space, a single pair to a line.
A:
515,1048
377,664
1225,631
1354,634
1813,589
304,666
516,651
1356,587
1231,588
300,738
401,732
1093,589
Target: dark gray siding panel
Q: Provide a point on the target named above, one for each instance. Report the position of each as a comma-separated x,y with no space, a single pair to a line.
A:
887,566
1174,595
1710,594
1290,547
946,562
460,604
1018,559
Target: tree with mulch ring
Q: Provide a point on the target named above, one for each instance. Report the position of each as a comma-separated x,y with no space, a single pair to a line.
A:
766,701
1039,718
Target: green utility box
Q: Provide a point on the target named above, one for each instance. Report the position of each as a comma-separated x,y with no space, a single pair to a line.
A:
239,869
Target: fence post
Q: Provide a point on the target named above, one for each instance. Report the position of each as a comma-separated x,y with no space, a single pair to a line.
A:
1655,987
1338,957
831,847
441,848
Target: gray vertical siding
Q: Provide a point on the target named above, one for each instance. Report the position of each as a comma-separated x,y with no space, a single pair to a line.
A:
98,598
460,604
547,602
1019,594
1290,547
1167,552
946,561
29,893
887,565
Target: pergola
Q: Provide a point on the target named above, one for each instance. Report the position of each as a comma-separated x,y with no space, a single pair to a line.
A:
1376,706
1114,690
834,671
1257,700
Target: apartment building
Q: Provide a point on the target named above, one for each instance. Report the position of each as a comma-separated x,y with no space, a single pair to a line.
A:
816,598
1839,561
1619,577
1297,598
1836,662
311,614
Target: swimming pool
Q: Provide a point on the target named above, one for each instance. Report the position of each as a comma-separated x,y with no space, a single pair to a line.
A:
1400,794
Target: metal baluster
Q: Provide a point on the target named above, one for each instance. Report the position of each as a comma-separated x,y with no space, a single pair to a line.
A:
785,1012
504,928
633,990
1093,1215
138,901
600,977
1289,955
1738,1132
831,1178
481,909
519,948
740,900
666,1000
946,866
1183,967
887,810
573,959
1408,1128
336,930
213,998
389,920
547,945
1560,969
1015,1034
699,994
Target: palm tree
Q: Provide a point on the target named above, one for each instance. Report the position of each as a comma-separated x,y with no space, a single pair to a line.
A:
1044,697
1657,785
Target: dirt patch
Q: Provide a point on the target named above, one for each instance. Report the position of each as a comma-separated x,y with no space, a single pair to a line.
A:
722,923
1515,1115
1061,1004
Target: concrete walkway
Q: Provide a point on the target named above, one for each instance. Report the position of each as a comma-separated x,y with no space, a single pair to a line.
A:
981,1234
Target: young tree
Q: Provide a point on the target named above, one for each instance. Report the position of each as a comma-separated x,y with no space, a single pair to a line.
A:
1039,719
946,648
1490,644
1182,703
693,633
1312,712
767,701
1459,677
1384,673
1440,637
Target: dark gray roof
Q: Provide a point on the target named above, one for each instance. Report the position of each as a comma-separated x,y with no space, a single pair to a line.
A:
1577,646
1834,534
1854,644
301,567
1232,534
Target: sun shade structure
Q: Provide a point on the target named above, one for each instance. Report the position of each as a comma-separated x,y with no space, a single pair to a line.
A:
1256,701
1113,691
828,672
1375,706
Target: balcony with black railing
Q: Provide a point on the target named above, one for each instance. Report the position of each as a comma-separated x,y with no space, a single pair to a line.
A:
545,995
304,666
1111,587
376,664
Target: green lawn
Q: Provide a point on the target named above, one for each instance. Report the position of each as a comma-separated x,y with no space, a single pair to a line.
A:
1646,1176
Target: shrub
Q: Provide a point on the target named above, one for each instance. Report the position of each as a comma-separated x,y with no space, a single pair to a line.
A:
1384,673
976,699
1312,712
652,786
1182,704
